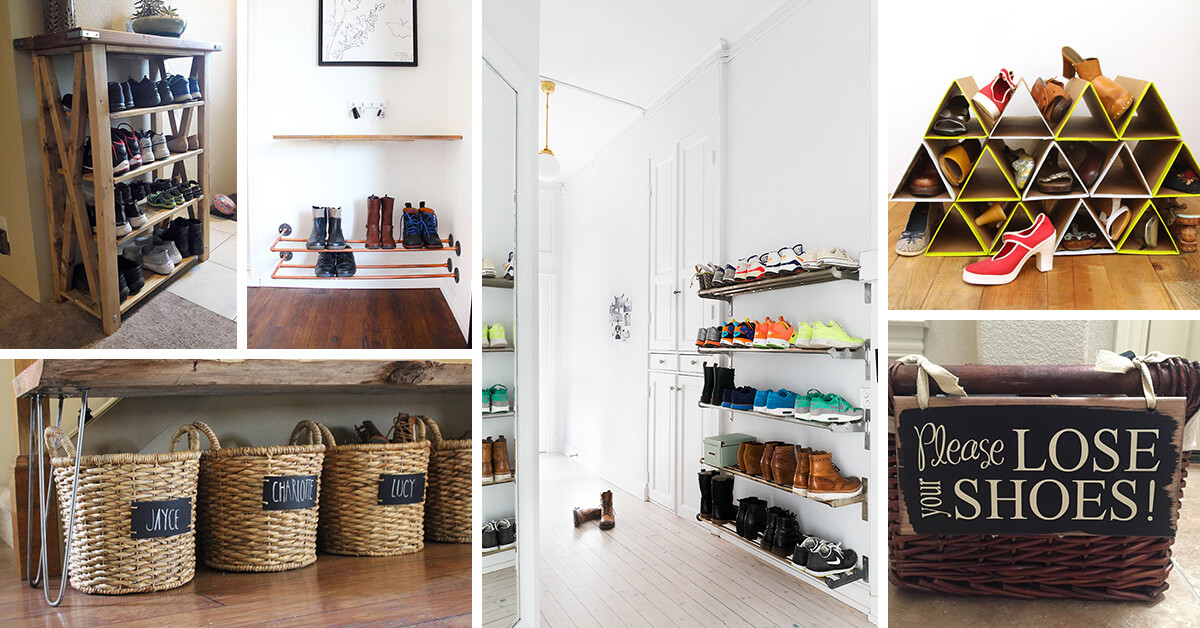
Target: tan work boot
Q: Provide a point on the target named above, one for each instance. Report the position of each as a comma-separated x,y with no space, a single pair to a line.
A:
754,454
825,482
783,464
582,515
608,519
500,463
800,481
487,459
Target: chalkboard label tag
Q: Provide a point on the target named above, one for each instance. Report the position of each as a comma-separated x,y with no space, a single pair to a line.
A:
170,517
289,492
401,489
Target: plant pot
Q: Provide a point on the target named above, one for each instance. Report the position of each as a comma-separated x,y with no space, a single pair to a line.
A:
159,25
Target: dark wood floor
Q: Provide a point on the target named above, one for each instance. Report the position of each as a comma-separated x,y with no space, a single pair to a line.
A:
311,318
429,588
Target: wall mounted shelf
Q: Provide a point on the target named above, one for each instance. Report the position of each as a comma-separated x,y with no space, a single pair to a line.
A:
508,349
371,138
844,354
495,483
497,282
831,582
498,550
498,415
727,292
849,426
861,498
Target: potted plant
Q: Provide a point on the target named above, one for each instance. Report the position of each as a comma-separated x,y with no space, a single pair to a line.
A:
154,17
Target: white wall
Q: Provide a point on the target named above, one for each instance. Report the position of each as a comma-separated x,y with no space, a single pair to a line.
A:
919,59
290,94
1018,341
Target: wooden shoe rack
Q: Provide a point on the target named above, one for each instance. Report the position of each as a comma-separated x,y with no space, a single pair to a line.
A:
286,247
1139,149
62,134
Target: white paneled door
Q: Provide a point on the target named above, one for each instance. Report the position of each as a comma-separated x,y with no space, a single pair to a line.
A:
698,228
661,439
664,233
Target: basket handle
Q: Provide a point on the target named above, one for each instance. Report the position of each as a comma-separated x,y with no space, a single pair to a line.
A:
314,433
407,428
54,434
214,444
193,437
330,443
432,428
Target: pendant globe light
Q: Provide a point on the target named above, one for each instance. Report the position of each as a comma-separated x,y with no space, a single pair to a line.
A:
548,168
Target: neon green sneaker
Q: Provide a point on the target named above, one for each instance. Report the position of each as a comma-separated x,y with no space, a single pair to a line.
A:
802,337
832,336
496,337
832,408
804,403
483,335
499,398
487,401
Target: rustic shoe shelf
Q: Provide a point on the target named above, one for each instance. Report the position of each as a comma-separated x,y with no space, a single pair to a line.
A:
861,498
286,252
859,425
62,136
831,582
1139,150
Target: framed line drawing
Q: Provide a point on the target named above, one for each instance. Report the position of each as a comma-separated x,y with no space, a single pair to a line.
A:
367,32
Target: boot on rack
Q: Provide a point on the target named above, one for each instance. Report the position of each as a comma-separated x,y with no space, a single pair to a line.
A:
768,454
500,464
608,519
754,454
387,238
722,381
756,519
768,535
316,239
344,265
787,534
783,465
583,515
336,240
800,480
372,222
196,235
722,493
488,472
413,228
706,494
743,512
825,481
710,377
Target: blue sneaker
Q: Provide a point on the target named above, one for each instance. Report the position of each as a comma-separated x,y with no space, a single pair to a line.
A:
742,398
781,403
760,400
179,88
727,398
743,335
194,88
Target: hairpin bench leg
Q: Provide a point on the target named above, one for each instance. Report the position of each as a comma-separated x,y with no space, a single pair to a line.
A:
44,570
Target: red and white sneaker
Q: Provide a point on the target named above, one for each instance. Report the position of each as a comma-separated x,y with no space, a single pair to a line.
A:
742,266
755,267
994,96
1018,247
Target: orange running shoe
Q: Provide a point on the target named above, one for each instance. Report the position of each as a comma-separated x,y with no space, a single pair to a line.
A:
780,334
761,331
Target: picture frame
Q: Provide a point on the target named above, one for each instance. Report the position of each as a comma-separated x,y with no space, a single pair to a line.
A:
375,33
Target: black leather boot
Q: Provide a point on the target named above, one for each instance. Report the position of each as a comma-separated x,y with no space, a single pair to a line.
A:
336,240
195,236
710,380
722,381
722,492
316,239
326,265
743,513
774,513
345,266
787,533
706,494
756,519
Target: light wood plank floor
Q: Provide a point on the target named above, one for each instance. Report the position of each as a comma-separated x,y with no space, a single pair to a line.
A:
655,569
1085,282
500,598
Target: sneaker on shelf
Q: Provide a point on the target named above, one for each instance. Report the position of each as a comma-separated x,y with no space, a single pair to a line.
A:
762,332
727,330
158,145
483,336
160,200
195,190
499,398
778,335
510,269
116,98
808,260
743,333
172,250
788,260
803,406
833,408
132,272
132,147
760,400
194,88
836,258
701,336
802,336
782,402
712,337
727,398
179,88
829,559
743,266
147,150
120,157
755,267
145,94
123,228
832,336
164,92
771,261
729,277
803,549
496,338
133,214
718,272
489,536
506,533
742,398
138,190
486,403
489,269
151,258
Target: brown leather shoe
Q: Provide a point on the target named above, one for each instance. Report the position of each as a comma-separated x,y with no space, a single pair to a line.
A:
1052,99
372,222
754,454
1116,99
488,473
825,482
608,519
582,515
768,451
783,464
500,459
924,180
369,434
800,480
1087,159
741,460
387,239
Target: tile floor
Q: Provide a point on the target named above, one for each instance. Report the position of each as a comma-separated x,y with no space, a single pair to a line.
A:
213,285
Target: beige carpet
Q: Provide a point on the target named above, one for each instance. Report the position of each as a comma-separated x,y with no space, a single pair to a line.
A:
163,321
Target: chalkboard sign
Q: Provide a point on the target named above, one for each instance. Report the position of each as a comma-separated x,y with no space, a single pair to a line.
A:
292,492
1028,466
401,489
168,517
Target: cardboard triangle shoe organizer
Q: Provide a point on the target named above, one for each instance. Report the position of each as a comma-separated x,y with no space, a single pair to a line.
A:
957,235
1052,160
1086,118
906,190
1079,229
1147,233
964,88
1121,177
1148,117
991,178
1021,118
1183,160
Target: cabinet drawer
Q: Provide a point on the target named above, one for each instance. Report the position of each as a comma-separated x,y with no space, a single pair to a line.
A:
664,362
694,363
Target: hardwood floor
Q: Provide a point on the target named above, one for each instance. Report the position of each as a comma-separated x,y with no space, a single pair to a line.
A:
429,588
655,569
1085,282
500,598
311,318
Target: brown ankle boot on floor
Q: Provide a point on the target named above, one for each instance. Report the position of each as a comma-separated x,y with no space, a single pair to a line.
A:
800,481
372,222
582,515
488,473
386,238
608,519
783,464
825,482
754,454
500,463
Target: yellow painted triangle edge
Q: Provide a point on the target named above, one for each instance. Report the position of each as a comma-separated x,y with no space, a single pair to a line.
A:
1012,185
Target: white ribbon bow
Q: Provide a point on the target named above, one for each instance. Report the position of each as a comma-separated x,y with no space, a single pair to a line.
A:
1109,362
946,380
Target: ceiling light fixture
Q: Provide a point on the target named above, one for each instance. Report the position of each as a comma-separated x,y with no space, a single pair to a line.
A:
548,168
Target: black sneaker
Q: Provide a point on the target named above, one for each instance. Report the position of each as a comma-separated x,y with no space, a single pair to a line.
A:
127,94
144,92
196,235
178,232
430,237
137,189
506,532
123,228
195,190
116,98
134,215
160,185
829,559
414,228
120,157
345,266
164,92
326,264
133,274
489,536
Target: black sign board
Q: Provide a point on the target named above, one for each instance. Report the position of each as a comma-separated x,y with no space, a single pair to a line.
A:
1103,466
168,517
291,492
401,489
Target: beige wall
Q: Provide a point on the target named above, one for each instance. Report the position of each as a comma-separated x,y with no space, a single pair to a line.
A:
21,174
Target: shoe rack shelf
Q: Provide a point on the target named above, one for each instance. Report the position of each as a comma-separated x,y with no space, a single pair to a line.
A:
286,250
859,425
498,415
1139,149
154,217
508,349
803,278
511,480
727,529
62,135
861,498
371,138
499,550
497,282
844,354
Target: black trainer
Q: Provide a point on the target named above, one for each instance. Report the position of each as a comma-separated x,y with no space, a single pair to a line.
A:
133,274
134,214
326,264
829,559
316,238
127,94
489,536
178,233
164,92
144,93
345,266
116,98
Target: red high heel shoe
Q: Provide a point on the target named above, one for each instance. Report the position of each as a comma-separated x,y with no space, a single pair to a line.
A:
1018,247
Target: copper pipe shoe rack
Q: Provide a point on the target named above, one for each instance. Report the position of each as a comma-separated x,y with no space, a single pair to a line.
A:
284,247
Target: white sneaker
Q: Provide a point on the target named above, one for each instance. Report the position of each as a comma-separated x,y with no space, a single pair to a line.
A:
786,261
808,260
743,265
123,229
489,269
836,258
172,250
510,270
151,258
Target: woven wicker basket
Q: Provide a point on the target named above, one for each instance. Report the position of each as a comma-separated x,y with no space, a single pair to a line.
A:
352,521
237,531
104,558
448,500
1031,567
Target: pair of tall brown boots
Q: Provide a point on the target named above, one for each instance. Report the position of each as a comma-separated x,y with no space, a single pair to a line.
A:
496,467
379,222
809,472
608,519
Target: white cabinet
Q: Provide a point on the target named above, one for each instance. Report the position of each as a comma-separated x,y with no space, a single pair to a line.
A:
661,439
676,440
693,425
664,253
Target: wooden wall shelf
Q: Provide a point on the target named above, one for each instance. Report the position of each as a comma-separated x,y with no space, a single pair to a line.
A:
371,138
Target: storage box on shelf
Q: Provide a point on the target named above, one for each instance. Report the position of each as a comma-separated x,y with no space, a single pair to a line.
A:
62,135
